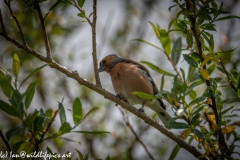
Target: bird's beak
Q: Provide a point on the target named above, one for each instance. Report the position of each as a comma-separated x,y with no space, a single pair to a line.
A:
101,69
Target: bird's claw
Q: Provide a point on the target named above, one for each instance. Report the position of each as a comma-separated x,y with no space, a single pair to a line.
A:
121,97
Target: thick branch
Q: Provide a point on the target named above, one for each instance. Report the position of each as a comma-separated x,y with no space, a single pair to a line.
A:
74,75
47,44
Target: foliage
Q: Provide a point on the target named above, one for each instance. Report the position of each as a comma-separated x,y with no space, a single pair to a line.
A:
34,127
202,115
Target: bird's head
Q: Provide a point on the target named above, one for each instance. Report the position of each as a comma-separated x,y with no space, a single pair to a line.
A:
108,62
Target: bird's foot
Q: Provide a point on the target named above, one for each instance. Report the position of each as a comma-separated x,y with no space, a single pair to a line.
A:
141,109
121,97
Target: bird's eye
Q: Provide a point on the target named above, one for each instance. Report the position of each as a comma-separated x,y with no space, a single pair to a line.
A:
104,62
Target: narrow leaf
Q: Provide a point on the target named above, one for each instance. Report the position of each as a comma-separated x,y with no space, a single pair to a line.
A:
189,40
32,73
174,152
194,84
199,133
89,112
93,132
77,111
80,154
81,2
190,60
228,129
157,69
55,5
62,113
143,41
144,95
204,73
29,93
176,50
8,109
156,29
164,39
15,64
227,17
65,128
177,125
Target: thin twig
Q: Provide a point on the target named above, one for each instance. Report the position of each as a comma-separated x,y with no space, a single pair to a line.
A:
47,44
6,144
125,118
94,43
15,19
74,75
174,67
82,11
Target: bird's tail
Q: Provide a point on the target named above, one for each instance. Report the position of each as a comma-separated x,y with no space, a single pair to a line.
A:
162,114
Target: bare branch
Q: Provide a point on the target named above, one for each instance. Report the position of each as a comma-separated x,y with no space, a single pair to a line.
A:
4,32
47,44
15,19
6,144
174,67
94,43
125,118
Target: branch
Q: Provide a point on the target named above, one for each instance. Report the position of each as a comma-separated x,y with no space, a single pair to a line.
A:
6,144
125,118
74,75
15,19
174,67
94,43
190,7
47,44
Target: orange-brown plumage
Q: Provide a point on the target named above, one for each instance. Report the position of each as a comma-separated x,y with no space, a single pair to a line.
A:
129,76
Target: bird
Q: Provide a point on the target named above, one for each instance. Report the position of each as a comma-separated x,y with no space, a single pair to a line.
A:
129,76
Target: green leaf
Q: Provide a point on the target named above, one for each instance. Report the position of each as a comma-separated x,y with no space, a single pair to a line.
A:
209,134
189,40
65,128
29,93
227,17
198,100
162,83
62,113
191,72
5,85
196,119
14,131
89,112
183,74
80,154
16,101
193,85
108,158
55,5
176,50
93,132
32,73
164,39
82,14
143,41
187,13
31,117
38,123
211,44
174,152
193,94
156,29
77,111
199,134
226,110
81,2
157,69
211,68
177,125
190,60
144,95
15,64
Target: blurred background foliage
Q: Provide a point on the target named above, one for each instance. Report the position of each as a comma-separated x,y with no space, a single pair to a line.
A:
119,22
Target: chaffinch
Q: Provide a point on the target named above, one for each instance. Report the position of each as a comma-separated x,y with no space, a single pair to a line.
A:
129,76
